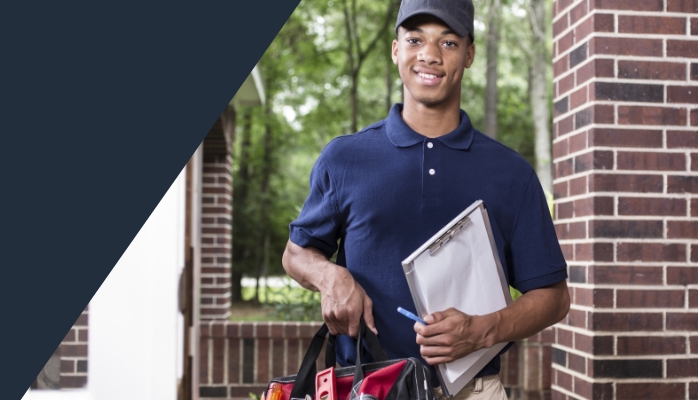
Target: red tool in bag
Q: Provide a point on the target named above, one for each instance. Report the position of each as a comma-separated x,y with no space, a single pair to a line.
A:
401,379
326,385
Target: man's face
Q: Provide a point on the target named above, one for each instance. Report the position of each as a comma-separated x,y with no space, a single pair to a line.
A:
431,59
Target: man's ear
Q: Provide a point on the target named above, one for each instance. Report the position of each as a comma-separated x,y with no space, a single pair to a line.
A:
469,55
394,52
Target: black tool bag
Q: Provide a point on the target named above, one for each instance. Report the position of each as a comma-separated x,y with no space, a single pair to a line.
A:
401,379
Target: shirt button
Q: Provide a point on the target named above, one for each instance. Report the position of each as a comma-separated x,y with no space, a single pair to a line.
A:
432,172
430,145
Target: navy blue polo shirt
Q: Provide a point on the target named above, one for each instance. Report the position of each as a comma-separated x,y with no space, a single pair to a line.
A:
379,194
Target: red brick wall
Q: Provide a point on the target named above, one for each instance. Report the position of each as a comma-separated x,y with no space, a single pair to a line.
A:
625,151
526,367
239,358
216,235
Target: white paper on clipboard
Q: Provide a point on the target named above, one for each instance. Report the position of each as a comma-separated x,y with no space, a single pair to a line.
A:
464,273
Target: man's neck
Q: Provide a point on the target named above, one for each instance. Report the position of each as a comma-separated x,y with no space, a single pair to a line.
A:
431,122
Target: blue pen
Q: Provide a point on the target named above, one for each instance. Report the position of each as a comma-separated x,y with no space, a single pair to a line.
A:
411,316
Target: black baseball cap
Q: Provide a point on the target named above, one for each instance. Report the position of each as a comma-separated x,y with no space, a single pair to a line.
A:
457,14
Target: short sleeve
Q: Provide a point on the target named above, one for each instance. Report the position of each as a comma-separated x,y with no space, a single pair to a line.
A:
318,224
535,258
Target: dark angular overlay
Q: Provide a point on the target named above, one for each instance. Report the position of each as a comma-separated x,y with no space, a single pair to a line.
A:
101,106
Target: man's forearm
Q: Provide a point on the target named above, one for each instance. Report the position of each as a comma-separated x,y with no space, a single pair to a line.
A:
529,314
307,266
344,301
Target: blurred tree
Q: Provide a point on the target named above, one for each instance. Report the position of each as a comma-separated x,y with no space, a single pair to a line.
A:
539,91
241,248
491,90
357,26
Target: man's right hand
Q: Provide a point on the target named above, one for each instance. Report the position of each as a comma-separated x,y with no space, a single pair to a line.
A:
344,301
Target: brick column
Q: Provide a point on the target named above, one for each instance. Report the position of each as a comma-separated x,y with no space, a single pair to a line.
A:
216,219
625,150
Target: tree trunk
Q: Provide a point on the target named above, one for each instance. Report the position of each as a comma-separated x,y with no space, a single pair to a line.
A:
491,93
240,195
539,95
267,167
356,55
388,77
390,68
236,286
354,99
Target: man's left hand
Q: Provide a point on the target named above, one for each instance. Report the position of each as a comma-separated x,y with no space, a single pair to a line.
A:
451,335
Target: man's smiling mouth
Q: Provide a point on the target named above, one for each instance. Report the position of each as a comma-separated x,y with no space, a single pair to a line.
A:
428,79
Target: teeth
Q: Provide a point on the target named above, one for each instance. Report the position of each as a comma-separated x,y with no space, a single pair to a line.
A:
427,76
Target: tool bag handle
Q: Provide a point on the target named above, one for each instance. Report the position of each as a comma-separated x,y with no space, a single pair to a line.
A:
305,379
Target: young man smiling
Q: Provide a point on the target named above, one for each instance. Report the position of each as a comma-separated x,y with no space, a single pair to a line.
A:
377,195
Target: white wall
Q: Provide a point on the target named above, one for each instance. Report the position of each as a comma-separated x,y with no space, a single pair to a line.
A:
135,329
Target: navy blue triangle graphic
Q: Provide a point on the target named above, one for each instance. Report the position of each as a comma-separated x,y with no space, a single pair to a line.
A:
102,105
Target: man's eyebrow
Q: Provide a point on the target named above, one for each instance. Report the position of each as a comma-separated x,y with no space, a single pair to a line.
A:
419,30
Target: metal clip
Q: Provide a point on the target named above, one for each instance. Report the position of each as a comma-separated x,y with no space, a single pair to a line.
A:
446,237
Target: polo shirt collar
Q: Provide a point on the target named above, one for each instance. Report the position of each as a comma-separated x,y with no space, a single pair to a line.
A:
402,135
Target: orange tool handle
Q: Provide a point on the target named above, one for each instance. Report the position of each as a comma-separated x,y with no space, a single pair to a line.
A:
274,392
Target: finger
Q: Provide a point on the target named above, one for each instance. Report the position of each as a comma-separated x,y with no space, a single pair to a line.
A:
418,327
429,330
434,358
354,327
332,329
335,324
436,351
436,317
438,360
368,315
437,340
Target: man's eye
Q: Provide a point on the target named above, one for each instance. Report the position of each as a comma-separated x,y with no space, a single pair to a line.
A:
412,41
450,44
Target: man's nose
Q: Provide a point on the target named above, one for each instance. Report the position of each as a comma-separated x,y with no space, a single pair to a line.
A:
430,53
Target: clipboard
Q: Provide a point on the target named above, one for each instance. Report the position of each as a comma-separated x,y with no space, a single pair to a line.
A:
459,267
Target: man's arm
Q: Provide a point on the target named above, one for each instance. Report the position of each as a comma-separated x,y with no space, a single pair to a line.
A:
343,299
452,334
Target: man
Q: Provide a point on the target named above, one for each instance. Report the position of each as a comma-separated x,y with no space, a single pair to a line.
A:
377,195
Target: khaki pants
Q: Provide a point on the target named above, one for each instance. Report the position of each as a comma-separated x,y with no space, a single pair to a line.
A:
485,388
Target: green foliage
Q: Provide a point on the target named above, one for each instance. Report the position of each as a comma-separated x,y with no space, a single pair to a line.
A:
296,305
288,302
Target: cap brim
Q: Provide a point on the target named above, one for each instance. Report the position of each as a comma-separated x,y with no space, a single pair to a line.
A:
447,18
